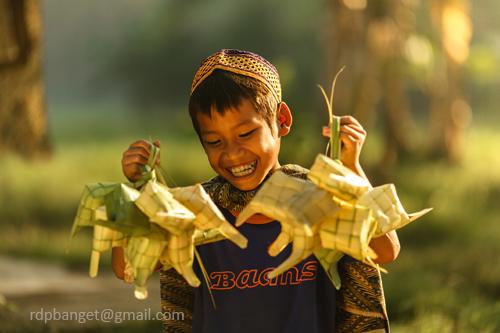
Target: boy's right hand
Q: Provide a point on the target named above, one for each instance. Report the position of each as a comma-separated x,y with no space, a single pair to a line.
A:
136,157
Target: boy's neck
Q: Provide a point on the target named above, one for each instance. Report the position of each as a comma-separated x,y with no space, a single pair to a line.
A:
254,219
225,195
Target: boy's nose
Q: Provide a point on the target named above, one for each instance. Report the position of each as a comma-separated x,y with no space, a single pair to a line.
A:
232,151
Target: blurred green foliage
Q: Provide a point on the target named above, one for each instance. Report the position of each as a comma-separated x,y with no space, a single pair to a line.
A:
145,53
157,60
445,279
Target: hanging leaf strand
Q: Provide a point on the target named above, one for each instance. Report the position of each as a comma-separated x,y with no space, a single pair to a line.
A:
333,147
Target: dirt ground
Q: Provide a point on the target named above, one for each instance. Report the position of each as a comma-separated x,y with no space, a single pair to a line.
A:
28,288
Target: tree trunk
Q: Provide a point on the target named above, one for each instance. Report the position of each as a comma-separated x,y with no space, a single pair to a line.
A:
369,40
450,113
23,121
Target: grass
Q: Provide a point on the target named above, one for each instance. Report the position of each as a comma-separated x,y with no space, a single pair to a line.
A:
12,322
445,280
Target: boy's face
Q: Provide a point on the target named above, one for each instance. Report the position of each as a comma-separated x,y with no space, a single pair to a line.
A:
240,145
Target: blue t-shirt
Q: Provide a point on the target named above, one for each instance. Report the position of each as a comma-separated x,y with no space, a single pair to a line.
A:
301,299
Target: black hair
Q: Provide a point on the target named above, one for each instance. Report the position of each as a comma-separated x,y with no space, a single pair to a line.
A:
222,90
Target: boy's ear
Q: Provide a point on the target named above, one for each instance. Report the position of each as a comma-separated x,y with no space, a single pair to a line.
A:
285,119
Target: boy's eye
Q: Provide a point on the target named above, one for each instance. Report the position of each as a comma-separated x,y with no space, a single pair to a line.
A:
247,134
212,143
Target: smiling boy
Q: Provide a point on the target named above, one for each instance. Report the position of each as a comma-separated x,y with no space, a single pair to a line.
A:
237,112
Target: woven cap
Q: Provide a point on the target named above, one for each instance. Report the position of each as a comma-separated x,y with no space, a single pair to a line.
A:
243,63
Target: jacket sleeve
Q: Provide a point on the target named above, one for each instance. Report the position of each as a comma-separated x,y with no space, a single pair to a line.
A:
360,300
177,296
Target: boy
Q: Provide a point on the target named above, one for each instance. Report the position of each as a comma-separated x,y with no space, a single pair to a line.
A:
237,112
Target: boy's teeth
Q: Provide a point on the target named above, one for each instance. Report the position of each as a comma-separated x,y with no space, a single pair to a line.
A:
243,170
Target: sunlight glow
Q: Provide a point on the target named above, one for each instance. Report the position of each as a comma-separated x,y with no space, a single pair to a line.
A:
418,50
457,33
355,4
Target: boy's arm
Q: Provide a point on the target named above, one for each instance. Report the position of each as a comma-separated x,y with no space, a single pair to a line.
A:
353,136
118,262
133,160
387,246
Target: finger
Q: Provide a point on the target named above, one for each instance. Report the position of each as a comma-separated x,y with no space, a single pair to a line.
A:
356,128
355,125
133,171
326,132
141,143
348,141
349,133
134,159
347,120
142,147
137,151
279,244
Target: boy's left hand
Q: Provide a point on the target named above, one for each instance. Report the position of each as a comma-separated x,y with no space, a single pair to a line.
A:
352,136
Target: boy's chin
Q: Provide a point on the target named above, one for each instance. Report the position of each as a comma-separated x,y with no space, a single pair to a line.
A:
248,183
245,185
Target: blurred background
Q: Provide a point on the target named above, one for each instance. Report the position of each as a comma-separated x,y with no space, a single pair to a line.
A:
80,80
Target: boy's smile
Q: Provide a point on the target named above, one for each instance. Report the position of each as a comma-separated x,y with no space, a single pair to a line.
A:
240,145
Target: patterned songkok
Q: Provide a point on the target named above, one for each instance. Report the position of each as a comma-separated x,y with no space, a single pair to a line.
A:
243,63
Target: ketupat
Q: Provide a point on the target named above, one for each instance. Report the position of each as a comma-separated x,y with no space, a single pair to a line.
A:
338,213
110,209
92,198
156,202
182,211
282,198
142,254
103,239
209,217
153,224
310,218
392,216
343,183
